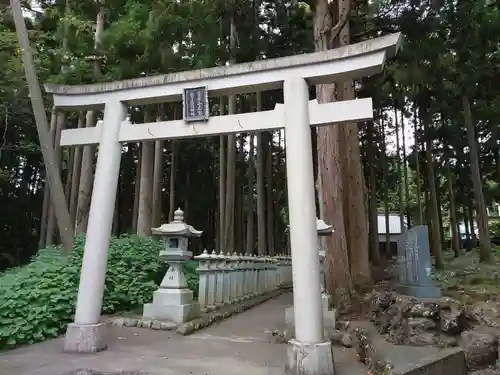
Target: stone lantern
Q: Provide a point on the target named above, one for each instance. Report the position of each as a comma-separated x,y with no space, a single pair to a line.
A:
323,229
173,300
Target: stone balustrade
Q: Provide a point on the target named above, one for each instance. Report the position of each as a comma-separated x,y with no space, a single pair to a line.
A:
232,278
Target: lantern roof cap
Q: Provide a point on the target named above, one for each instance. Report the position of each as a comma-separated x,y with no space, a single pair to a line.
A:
177,227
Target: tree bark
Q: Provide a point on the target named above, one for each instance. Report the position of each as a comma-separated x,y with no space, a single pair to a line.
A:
173,168
144,218
75,176
455,237
86,174
250,200
400,174
270,194
137,186
261,200
339,281
51,224
355,214
482,215
158,176
385,173
222,181
417,169
373,215
435,232
405,174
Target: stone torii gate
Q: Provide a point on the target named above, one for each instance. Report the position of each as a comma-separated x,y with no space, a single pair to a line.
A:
308,353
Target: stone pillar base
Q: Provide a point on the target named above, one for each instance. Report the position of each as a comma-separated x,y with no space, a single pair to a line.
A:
309,359
85,338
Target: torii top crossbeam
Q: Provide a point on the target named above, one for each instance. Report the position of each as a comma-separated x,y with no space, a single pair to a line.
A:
344,63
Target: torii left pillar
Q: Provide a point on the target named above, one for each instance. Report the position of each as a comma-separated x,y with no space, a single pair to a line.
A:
87,333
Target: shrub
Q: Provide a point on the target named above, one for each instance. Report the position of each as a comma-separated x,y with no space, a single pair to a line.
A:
38,300
494,229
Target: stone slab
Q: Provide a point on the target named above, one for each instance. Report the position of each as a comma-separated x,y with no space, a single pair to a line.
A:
85,338
309,359
443,362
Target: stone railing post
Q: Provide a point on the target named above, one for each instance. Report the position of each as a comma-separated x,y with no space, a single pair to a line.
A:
212,280
203,282
228,278
220,279
233,297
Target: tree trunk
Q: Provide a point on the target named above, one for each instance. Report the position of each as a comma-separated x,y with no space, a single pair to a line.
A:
51,224
339,281
251,183
86,174
455,238
261,200
270,194
173,167
75,176
373,215
137,187
435,232
400,174
144,217
222,181
43,242
385,173
158,176
229,214
405,174
482,216
417,170
355,215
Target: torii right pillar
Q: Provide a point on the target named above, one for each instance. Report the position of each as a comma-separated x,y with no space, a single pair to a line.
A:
309,353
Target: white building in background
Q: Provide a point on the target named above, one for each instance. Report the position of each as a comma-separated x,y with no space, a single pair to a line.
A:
395,229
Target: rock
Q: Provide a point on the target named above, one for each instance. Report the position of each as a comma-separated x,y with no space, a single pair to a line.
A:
167,326
422,339
185,329
488,371
145,323
335,336
119,322
453,322
487,313
480,346
429,310
156,324
130,322
445,341
421,324
346,340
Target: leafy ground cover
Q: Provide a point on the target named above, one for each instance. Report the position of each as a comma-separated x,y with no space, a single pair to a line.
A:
469,281
38,299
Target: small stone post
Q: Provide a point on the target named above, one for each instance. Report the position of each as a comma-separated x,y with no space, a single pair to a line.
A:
323,230
173,301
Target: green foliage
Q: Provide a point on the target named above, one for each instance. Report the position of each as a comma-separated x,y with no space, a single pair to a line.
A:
494,228
468,280
38,300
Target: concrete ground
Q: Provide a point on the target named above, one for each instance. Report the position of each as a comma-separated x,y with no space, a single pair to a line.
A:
240,345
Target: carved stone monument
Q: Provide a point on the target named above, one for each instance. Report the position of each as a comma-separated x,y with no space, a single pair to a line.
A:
415,264
173,300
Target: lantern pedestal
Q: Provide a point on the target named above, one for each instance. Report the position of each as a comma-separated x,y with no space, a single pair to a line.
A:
175,305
